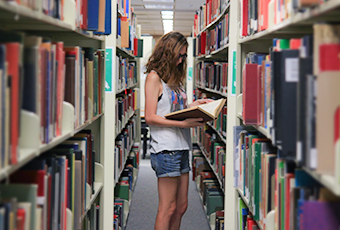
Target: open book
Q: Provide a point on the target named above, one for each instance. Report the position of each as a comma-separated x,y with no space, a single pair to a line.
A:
207,111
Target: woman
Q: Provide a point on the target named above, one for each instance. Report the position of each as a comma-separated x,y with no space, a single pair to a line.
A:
170,139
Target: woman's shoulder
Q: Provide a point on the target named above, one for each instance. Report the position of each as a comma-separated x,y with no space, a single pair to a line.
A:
153,76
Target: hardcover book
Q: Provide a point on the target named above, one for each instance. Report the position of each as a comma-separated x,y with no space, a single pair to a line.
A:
207,111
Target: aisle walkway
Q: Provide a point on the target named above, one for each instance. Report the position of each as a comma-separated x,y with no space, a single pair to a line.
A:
144,203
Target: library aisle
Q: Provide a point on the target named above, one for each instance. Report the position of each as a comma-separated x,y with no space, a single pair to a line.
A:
143,209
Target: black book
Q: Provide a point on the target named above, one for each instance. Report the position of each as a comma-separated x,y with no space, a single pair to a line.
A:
305,68
285,103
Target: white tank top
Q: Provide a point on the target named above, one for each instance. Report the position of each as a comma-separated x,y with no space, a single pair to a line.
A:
170,138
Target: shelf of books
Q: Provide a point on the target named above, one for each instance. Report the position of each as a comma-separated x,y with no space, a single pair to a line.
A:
222,138
288,21
210,49
212,91
285,153
205,154
122,137
209,15
216,54
213,40
52,106
208,186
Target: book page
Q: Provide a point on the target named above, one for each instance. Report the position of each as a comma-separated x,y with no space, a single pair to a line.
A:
211,107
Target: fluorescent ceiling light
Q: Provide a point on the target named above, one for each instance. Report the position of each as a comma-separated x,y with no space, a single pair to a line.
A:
167,12
158,0
168,25
166,7
167,16
168,22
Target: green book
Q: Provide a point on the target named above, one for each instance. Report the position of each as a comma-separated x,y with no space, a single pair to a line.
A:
281,179
257,167
214,199
122,191
250,168
241,206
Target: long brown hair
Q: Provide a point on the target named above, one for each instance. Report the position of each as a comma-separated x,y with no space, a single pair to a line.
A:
164,59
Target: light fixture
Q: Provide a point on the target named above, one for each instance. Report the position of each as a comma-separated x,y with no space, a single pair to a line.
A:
168,25
167,14
165,7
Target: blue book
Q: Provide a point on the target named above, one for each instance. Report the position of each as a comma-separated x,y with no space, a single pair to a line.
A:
107,19
118,26
92,15
303,179
127,9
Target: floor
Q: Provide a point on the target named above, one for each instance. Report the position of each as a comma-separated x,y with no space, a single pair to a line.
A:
143,209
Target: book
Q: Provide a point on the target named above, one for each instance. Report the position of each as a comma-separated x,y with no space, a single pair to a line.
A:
207,111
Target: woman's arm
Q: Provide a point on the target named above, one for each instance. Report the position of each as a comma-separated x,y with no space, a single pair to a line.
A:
152,90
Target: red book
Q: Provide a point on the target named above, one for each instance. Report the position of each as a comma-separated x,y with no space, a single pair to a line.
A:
287,199
195,25
207,11
244,17
84,10
203,42
250,91
329,57
20,221
135,46
210,11
12,58
60,56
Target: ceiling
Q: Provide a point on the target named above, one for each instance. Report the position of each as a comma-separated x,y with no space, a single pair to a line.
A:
151,20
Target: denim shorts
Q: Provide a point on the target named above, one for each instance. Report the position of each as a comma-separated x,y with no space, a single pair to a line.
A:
170,163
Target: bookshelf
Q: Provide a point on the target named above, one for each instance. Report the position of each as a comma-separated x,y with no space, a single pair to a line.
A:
212,91
216,54
211,167
27,154
225,8
297,25
120,89
218,133
21,19
210,52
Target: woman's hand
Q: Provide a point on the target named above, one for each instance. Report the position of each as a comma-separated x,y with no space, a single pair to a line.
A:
200,102
192,122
